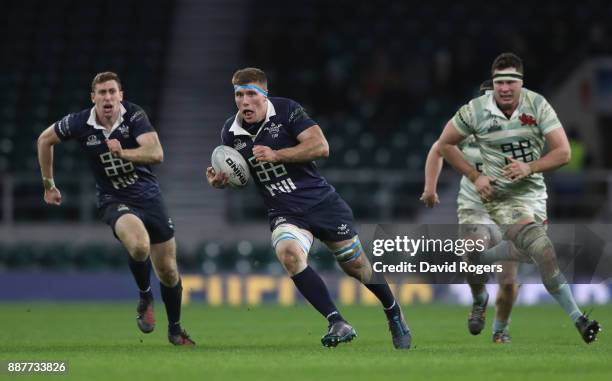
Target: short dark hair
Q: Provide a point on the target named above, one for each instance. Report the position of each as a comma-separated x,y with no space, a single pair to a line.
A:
249,75
506,60
105,77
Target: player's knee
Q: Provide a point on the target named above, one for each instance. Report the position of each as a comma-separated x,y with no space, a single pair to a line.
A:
506,294
139,248
359,268
168,275
533,240
291,256
291,246
357,264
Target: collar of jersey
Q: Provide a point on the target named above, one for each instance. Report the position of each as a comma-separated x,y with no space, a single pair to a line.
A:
493,109
237,129
94,123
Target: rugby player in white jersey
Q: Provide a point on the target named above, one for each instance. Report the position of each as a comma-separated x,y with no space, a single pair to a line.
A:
511,126
475,223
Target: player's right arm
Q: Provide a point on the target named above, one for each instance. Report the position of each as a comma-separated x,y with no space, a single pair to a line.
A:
433,167
448,142
47,139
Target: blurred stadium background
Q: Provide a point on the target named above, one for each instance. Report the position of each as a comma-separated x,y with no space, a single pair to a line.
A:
381,78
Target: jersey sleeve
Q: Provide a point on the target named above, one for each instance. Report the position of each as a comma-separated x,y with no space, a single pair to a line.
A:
226,140
67,127
140,122
298,119
547,118
464,120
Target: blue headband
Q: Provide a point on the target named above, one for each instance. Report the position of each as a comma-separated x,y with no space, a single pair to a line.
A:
251,87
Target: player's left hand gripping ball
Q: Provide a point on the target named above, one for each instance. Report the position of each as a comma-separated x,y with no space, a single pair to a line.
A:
114,146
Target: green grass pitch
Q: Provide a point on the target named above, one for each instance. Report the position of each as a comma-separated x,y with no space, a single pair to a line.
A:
101,342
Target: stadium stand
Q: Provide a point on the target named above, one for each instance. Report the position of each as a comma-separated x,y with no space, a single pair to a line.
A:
381,81
55,48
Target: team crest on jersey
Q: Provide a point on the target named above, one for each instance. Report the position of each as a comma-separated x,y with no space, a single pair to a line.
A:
239,144
273,129
122,208
527,120
93,140
125,130
343,229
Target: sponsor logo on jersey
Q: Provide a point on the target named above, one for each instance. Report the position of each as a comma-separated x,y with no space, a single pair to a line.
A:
283,186
239,144
122,208
343,229
93,140
63,126
297,115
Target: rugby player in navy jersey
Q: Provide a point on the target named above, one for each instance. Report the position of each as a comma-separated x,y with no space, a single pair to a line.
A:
121,144
280,141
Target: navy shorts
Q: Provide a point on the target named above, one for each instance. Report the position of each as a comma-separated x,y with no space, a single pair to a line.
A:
152,213
330,221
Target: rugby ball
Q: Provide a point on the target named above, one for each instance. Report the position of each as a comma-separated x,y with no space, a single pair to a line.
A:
229,161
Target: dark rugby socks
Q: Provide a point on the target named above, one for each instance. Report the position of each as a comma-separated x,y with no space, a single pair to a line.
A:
172,299
142,275
311,286
380,288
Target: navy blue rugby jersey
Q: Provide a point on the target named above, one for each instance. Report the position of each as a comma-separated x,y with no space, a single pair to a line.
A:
117,180
293,187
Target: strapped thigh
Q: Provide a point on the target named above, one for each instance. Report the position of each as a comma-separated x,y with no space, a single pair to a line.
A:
352,250
291,232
